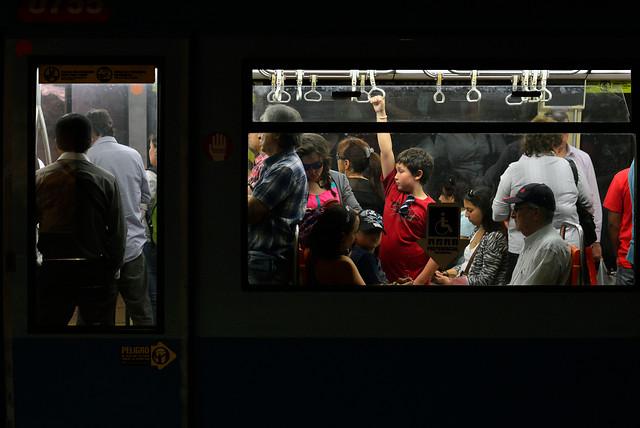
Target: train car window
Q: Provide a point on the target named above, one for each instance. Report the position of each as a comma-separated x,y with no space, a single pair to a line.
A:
96,140
471,123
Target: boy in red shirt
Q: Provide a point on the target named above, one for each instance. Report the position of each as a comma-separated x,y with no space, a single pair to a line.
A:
405,209
618,202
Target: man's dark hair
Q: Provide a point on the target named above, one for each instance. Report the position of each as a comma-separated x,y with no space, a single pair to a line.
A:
417,159
281,113
73,133
102,122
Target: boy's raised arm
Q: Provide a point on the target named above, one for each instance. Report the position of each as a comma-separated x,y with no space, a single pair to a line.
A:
384,138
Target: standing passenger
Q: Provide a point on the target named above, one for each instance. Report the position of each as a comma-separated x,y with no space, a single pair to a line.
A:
405,209
357,160
541,165
618,203
126,164
583,163
324,183
277,203
81,232
149,211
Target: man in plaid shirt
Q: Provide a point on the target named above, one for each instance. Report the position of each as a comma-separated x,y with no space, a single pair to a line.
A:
277,203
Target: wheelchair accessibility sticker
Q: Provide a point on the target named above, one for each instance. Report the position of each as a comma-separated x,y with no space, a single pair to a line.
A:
443,242
150,356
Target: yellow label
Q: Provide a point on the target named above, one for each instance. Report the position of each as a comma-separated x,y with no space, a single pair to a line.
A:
608,86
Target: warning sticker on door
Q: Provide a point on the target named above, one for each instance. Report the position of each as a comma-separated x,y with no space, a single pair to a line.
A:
97,74
149,356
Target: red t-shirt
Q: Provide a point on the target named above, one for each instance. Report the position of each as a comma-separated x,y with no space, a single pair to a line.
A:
400,255
618,199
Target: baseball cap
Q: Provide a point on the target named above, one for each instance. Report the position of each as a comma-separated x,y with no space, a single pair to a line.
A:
369,219
535,193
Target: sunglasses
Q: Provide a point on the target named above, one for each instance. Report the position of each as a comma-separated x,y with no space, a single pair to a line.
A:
316,165
404,208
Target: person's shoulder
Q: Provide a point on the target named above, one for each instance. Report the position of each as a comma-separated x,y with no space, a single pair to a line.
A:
98,171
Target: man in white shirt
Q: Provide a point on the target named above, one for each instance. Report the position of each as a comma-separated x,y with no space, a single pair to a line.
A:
545,258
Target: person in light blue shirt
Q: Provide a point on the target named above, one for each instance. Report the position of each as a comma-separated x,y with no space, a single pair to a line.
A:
126,165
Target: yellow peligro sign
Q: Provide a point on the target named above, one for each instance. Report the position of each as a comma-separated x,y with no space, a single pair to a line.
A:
97,74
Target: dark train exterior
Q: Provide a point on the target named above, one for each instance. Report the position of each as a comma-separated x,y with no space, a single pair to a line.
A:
223,353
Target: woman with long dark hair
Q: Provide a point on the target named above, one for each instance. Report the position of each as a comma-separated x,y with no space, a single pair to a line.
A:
325,185
486,256
329,242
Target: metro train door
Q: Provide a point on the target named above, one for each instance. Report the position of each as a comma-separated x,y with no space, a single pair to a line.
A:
141,85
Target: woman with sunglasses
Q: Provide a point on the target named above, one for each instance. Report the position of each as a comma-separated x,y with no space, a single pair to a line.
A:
486,257
325,185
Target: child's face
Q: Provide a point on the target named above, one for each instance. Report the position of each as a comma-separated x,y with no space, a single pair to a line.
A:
369,239
405,180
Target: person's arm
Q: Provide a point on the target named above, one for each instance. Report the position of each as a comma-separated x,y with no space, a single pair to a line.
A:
387,158
502,210
116,229
426,274
615,219
347,197
585,197
256,210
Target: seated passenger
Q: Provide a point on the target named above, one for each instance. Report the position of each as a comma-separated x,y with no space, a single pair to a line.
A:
545,258
357,160
486,257
450,192
277,203
329,242
324,183
363,253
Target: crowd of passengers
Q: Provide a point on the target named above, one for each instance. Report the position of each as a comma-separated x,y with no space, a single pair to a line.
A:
363,224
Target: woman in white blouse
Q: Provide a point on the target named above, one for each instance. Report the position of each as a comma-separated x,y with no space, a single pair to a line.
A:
539,164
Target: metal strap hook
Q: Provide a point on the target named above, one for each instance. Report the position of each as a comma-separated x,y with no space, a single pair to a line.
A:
525,83
372,80
363,81
280,88
515,88
438,97
543,87
308,96
474,90
354,83
299,75
534,85
273,89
